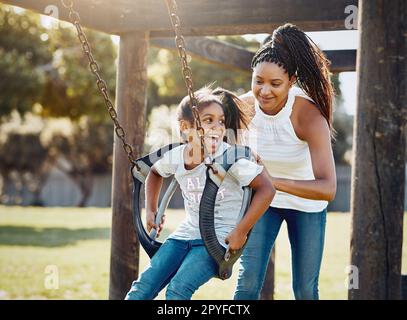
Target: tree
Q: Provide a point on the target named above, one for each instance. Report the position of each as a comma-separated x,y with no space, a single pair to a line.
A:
23,48
24,164
70,89
86,151
30,146
44,71
47,66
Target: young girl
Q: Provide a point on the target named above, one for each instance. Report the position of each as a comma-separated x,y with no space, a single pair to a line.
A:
291,132
182,261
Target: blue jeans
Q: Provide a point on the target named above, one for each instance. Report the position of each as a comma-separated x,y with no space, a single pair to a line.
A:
183,265
306,232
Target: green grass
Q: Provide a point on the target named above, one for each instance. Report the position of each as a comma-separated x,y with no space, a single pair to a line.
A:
77,242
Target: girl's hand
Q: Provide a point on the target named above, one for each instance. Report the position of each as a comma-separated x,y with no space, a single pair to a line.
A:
235,239
150,217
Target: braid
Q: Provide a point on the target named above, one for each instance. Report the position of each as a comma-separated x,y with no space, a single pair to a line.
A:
291,49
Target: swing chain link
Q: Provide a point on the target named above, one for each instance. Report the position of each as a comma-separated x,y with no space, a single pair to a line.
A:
187,75
186,72
101,84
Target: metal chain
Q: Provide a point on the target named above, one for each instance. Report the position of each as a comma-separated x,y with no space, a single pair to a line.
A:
94,67
186,72
187,75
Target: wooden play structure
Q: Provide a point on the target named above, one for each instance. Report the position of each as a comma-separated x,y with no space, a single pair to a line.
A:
378,176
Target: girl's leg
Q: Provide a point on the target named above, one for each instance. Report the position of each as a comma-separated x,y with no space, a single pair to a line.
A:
197,268
306,232
162,267
256,255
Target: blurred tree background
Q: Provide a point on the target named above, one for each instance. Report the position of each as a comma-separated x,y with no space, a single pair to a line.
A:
52,115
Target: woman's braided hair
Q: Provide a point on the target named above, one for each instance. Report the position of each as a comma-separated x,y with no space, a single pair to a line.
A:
291,49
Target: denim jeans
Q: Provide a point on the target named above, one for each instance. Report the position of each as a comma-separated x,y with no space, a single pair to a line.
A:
182,264
306,233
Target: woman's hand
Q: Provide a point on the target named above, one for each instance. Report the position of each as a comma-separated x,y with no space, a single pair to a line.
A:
236,239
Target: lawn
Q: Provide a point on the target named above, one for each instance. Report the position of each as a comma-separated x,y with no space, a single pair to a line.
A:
72,246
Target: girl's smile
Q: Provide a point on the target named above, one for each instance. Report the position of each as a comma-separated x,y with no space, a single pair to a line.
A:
213,123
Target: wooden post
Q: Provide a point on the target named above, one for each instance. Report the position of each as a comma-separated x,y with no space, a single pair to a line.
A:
209,17
267,293
233,57
131,101
378,175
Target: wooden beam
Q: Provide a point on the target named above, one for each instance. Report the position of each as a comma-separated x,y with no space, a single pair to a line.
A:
131,104
378,177
341,60
210,17
234,57
214,51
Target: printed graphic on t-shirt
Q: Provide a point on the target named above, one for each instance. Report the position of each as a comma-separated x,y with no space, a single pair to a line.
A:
194,189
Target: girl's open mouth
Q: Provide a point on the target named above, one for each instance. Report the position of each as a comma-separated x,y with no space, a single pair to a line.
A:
213,140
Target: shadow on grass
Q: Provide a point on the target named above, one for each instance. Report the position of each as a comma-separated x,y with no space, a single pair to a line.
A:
49,237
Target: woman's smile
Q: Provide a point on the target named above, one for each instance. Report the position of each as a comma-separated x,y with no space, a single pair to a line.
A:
266,100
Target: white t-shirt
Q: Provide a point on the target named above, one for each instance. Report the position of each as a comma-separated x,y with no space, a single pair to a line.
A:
192,182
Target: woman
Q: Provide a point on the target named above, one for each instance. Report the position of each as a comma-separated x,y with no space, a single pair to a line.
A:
291,132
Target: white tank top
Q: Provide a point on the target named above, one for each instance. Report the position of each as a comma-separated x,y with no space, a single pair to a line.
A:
273,138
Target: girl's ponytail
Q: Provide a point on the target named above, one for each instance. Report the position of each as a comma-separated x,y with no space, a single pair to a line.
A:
236,114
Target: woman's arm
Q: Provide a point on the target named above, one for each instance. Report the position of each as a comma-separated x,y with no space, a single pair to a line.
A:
153,187
263,195
312,127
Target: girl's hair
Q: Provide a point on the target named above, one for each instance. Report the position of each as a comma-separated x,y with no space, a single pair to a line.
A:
291,49
236,112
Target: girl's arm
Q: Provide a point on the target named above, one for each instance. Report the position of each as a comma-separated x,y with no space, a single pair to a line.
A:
312,127
263,195
153,187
